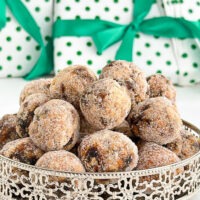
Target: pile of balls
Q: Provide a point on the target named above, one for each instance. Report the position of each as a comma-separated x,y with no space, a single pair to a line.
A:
76,122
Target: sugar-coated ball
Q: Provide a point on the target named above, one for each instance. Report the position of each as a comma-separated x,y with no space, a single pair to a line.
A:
36,86
55,126
108,151
105,104
156,120
159,85
70,83
128,75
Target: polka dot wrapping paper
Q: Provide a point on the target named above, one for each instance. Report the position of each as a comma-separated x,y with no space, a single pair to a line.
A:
18,50
178,59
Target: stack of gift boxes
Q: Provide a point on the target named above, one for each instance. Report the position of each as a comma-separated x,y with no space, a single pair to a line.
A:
37,37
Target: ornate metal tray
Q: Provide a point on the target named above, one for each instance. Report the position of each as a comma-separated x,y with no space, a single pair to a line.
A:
21,181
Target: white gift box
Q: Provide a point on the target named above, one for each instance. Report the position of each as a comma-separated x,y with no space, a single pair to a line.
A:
18,50
176,59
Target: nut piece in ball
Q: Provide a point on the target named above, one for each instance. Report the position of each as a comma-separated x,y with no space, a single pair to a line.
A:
105,104
70,83
8,129
55,126
108,151
22,150
156,120
161,86
36,86
128,75
26,112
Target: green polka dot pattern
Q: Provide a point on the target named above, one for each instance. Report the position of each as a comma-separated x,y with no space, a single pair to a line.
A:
153,54
19,67
99,71
18,29
79,53
59,53
89,62
18,50
69,62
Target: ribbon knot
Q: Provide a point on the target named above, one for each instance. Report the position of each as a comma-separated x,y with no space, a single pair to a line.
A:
135,26
105,33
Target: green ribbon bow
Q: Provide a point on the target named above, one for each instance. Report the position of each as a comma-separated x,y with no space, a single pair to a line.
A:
44,64
105,33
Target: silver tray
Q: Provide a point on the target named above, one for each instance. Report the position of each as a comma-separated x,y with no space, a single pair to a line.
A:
21,181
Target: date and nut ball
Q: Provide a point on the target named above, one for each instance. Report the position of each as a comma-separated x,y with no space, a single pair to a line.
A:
108,151
156,120
22,150
152,155
8,129
60,161
186,145
160,86
190,145
176,145
128,75
70,83
105,104
26,112
36,86
55,126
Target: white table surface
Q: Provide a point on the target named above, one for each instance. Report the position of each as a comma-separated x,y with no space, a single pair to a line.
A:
188,101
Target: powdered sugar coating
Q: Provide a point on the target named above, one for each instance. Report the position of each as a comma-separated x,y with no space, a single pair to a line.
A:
70,83
22,150
129,75
8,129
36,86
161,86
60,161
26,112
55,126
156,120
190,145
105,104
108,151
152,155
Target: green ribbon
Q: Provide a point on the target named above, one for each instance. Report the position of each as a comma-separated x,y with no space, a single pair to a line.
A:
105,33
43,65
